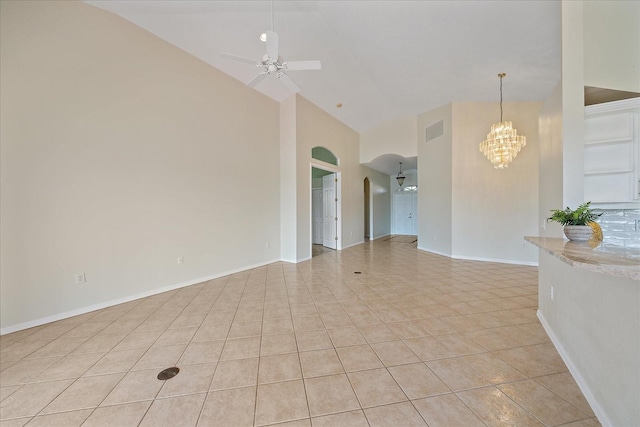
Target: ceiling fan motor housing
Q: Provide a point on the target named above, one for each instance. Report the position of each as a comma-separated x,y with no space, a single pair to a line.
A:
272,63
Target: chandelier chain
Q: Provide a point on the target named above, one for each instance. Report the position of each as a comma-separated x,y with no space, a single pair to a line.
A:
503,142
501,75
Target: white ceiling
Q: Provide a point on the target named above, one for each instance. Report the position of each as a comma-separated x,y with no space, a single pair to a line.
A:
380,59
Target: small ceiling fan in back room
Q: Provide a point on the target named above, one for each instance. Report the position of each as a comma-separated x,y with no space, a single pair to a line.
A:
273,64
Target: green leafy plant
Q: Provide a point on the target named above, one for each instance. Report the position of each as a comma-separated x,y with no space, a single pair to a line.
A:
583,215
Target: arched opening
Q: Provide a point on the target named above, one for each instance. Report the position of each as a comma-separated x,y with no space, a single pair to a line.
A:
326,203
324,155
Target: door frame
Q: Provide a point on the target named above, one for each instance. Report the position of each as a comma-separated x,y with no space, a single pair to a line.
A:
333,169
314,191
368,202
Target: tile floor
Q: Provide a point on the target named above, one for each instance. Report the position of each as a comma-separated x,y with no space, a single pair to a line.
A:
380,334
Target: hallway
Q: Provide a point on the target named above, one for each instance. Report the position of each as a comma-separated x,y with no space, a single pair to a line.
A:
377,334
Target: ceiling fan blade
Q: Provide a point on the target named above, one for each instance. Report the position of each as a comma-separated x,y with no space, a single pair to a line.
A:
257,79
303,65
272,45
240,58
288,82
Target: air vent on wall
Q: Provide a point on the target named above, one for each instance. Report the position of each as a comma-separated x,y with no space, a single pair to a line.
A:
434,131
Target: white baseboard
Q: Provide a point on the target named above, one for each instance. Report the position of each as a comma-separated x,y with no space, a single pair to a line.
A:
380,237
353,244
434,252
501,261
470,258
597,408
100,306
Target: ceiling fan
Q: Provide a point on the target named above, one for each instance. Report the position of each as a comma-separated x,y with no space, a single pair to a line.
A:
272,62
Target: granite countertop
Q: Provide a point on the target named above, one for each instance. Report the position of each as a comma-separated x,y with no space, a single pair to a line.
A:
597,257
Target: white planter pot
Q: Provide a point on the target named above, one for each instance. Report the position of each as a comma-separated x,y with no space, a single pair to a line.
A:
580,233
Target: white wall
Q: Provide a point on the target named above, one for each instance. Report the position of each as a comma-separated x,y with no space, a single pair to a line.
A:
395,136
435,184
493,209
612,44
117,156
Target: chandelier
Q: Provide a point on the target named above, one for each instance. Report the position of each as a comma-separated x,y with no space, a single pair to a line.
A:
503,142
400,176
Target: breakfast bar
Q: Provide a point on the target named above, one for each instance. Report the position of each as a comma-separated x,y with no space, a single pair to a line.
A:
589,304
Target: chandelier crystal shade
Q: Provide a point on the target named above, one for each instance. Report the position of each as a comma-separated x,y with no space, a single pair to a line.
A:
503,142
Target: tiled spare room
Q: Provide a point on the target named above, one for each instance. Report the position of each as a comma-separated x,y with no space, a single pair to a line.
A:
319,213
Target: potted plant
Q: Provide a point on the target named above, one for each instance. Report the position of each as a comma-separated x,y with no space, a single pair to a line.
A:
577,223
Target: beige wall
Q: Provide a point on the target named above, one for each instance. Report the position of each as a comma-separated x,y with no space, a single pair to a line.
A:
380,200
572,104
612,44
594,322
493,209
314,127
550,163
600,47
464,202
121,153
288,180
435,184
396,136
468,209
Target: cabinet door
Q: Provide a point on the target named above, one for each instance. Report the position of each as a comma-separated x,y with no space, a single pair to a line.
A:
611,152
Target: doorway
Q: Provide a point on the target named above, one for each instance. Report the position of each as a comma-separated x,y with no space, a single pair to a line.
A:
325,210
405,213
367,209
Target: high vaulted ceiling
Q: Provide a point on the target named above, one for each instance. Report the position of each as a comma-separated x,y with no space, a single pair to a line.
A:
380,59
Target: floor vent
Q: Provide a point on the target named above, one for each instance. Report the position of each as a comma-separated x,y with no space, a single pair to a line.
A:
168,373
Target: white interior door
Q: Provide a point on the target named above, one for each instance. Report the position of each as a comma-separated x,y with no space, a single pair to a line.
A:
413,215
316,206
405,215
329,213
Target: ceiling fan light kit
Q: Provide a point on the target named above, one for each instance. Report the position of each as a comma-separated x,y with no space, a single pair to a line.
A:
503,142
273,64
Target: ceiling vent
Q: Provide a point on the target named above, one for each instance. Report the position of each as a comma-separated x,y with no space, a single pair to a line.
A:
434,131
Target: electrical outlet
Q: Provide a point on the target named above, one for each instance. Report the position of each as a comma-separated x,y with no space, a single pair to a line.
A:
180,260
267,245
80,278
551,293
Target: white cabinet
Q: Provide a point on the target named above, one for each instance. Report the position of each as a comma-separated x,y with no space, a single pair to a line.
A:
612,153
